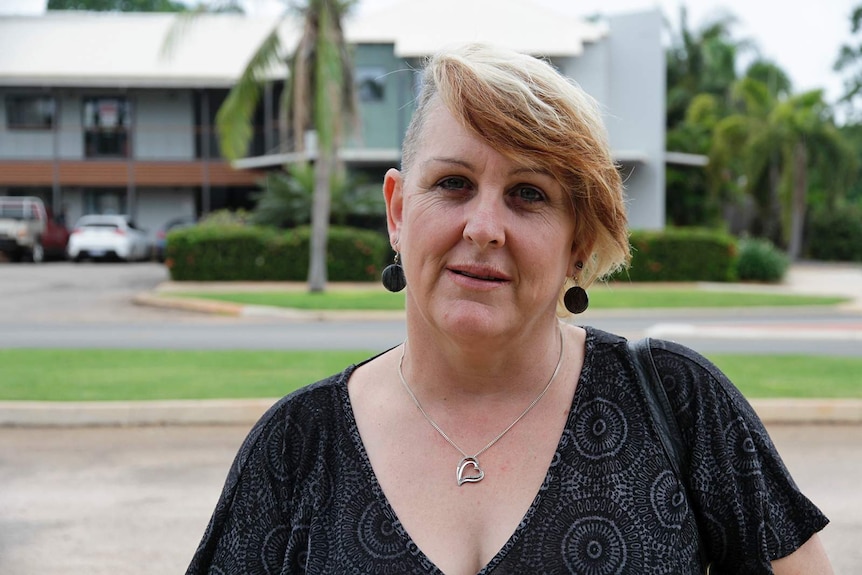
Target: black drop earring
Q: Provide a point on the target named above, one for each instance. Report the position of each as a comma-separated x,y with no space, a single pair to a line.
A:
393,276
576,299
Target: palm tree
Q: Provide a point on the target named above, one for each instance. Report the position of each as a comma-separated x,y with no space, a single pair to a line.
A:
700,62
767,150
322,96
810,140
319,96
849,62
701,68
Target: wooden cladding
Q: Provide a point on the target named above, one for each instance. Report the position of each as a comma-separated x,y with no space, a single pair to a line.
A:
120,174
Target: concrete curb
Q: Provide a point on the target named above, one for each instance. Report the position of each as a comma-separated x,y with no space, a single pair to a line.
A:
132,413
247,411
242,310
165,301
188,304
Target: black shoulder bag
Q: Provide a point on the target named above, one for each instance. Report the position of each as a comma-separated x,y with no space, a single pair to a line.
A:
664,421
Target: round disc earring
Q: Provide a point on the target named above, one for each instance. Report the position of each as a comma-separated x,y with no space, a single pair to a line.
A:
393,276
576,299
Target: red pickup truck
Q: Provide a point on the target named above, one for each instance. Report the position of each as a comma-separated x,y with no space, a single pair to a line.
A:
29,231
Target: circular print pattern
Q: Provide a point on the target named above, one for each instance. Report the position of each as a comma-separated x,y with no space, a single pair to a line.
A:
668,500
277,454
744,453
594,546
272,552
600,430
377,533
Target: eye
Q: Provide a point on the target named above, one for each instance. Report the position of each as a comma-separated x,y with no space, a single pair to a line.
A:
453,183
527,194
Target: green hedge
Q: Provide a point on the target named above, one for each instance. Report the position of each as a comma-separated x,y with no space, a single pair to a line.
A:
215,252
759,260
681,255
836,235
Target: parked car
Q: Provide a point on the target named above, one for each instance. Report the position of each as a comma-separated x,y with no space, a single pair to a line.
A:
162,234
107,237
29,231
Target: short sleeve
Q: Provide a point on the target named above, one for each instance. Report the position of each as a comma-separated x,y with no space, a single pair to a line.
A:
749,510
247,532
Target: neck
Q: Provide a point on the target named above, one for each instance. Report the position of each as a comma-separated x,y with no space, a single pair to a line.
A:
441,368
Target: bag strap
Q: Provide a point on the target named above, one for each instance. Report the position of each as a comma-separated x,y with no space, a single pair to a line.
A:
659,406
664,421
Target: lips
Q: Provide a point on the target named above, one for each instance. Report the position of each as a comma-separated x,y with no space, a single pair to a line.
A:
480,273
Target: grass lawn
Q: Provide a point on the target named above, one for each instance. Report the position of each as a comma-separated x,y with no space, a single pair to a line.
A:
601,297
95,375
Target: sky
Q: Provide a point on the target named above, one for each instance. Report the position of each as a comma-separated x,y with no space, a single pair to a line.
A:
803,37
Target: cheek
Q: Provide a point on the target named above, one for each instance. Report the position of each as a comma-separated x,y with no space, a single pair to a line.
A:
427,221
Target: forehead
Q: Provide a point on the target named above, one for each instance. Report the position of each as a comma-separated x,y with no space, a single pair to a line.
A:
444,135
440,129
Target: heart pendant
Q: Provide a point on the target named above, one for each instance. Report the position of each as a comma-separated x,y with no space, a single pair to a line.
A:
475,478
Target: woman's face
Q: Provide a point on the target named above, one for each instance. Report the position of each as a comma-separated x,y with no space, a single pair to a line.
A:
486,243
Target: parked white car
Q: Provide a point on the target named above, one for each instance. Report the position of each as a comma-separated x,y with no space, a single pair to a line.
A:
107,236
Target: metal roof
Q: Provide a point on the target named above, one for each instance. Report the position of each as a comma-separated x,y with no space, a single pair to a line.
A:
110,49
419,28
127,49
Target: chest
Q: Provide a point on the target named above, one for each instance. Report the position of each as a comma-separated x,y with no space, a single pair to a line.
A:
603,501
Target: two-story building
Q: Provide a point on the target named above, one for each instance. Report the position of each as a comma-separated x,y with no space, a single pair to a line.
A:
103,113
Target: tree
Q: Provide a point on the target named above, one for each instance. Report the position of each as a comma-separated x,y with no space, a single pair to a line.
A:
810,141
767,151
118,5
287,198
700,62
319,95
688,199
701,68
849,61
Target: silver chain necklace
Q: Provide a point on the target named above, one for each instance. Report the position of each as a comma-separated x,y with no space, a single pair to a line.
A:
472,461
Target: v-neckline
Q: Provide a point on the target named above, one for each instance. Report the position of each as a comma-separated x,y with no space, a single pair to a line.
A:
523,524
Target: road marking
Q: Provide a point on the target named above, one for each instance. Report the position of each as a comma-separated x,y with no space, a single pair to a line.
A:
840,332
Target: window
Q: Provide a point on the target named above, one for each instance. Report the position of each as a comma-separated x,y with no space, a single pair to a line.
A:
106,127
105,201
370,84
30,112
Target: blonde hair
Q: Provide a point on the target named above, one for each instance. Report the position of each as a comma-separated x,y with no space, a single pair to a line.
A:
524,109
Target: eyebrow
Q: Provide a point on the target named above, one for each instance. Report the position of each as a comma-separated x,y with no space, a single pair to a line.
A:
469,166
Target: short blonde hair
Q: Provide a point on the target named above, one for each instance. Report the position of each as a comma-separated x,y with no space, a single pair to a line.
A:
529,112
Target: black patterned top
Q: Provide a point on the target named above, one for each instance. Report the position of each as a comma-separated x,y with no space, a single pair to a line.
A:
301,496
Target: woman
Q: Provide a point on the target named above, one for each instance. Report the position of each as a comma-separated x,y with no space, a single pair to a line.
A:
498,438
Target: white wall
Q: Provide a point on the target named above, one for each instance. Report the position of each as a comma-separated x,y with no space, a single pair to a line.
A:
625,73
637,107
157,206
164,125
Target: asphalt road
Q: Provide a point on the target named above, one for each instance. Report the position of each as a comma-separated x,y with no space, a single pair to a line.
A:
67,305
135,501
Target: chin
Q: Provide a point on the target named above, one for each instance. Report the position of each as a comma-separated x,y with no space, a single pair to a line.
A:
473,319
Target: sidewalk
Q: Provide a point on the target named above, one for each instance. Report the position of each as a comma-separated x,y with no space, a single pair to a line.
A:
804,278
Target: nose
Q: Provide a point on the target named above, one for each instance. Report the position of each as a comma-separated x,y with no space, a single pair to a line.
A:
485,225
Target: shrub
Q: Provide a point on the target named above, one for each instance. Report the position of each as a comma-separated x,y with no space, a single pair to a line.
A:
836,235
215,252
681,255
760,261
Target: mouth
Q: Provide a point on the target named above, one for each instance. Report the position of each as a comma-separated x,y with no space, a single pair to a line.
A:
478,274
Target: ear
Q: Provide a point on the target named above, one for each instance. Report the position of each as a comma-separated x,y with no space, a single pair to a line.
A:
579,253
392,194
